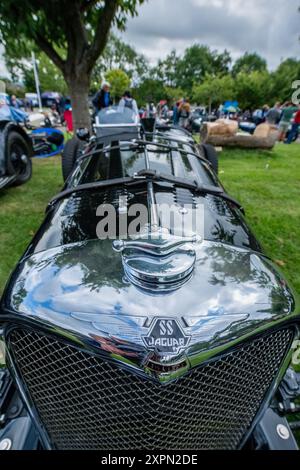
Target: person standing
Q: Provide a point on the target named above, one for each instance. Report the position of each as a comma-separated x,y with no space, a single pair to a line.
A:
129,102
176,113
184,113
265,110
295,127
29,105
163,109
14,102
287,115
102,99
151,111
220,111
68,117
274,115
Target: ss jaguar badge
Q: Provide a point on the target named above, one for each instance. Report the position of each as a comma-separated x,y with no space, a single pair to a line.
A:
166,336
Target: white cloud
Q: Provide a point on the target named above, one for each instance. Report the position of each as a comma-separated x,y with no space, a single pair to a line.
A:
269,28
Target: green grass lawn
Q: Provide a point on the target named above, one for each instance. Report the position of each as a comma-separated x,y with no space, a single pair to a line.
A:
22,210
268,185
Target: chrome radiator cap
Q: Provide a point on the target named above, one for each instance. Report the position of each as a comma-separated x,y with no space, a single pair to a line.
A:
158,260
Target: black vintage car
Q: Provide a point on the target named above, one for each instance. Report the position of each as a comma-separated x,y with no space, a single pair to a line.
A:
167,337
15,154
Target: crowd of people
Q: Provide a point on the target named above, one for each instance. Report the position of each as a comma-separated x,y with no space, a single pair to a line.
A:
180,113
103,100
289,115
285,116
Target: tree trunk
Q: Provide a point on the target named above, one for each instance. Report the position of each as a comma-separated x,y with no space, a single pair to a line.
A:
220,127
79,92
265,130
242,141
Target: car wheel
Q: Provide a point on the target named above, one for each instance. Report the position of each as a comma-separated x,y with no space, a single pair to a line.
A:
18,158
212,156
70,155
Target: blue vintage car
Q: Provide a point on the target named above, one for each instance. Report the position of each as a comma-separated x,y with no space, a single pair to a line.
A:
15,148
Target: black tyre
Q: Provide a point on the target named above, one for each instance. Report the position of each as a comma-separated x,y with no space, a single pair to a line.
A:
212,156
18,158
70,154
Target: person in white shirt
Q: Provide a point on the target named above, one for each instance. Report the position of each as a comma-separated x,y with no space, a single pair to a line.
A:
151,111
129,102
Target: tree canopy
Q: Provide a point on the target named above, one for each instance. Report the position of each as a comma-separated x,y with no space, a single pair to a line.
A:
248,63
72,33
120,55
214,90
21,70
150,90
119,82
196,62
77,28
252,90
282,79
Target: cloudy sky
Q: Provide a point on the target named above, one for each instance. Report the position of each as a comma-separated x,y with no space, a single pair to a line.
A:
269,27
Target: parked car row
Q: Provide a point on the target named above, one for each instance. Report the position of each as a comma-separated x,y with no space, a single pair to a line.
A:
22,137
48,98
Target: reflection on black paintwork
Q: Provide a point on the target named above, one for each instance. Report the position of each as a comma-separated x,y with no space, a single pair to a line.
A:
73,284
223,223
81,288
75,220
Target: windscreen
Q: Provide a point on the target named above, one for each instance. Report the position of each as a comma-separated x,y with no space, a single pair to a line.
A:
117,115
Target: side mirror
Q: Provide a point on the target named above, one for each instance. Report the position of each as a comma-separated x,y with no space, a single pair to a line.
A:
83,134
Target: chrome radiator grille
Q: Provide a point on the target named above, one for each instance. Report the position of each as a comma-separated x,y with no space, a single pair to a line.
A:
87,403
